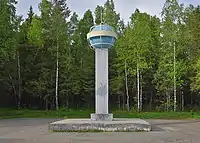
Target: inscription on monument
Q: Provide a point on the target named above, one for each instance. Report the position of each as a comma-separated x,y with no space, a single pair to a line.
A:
102,90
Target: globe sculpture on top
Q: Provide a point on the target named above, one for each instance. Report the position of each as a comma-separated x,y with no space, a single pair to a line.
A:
101,38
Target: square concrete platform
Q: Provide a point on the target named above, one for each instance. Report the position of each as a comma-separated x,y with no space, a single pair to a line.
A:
84,125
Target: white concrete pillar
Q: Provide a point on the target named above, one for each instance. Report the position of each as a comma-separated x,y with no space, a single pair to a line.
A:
101,84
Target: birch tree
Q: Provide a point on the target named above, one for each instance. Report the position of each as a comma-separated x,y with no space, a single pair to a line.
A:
59,30
140,42
171,66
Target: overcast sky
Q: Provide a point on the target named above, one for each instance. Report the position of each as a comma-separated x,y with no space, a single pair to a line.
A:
124,7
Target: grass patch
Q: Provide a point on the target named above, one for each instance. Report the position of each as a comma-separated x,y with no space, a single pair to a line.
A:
159,115
25,113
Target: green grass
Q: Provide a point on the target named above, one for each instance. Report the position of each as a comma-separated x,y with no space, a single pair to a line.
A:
25,113
159,115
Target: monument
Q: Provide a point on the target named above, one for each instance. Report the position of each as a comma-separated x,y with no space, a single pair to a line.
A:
101,38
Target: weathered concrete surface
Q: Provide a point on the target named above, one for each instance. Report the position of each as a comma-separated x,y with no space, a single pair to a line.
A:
101,117
117,125
101,81
36,131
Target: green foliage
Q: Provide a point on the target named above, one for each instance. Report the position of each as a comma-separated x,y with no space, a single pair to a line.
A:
110,16
83,58
8,26
193,16
35,32
196,80
173,36
99,14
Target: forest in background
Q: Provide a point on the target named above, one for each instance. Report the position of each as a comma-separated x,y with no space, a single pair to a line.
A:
47,63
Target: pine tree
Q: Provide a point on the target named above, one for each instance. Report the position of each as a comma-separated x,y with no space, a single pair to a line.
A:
9,25
83,80
99,14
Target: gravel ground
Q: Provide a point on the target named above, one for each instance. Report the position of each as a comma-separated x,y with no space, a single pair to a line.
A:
36,131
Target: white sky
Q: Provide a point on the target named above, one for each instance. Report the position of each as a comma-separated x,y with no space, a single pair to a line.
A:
124,7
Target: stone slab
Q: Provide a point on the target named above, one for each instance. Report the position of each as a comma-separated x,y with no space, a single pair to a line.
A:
84,125
101,117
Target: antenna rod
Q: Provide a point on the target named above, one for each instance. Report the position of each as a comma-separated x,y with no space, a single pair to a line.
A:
101,15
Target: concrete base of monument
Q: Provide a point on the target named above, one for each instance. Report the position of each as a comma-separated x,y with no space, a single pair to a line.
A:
87,125
101,117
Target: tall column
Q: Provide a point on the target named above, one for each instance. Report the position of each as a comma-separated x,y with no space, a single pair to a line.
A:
101,86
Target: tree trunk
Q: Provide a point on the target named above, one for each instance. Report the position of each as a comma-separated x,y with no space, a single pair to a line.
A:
46,100
67,104
141,94
57,72
182,103
168,100
119,101
47,103
175,100
88,101
191,101
14,89
13,86
150,103
138,88
67,101
19,81
127,94
123,101
77,101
